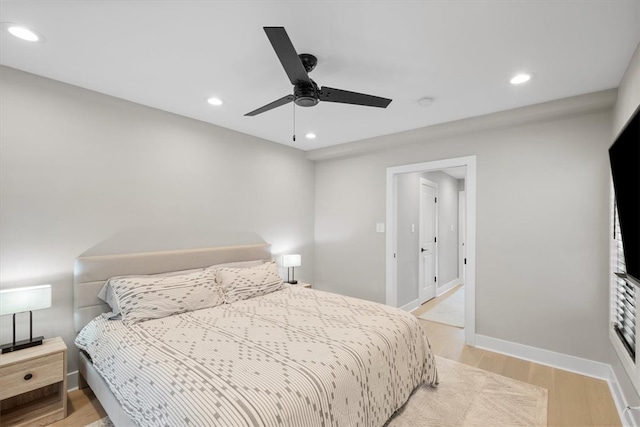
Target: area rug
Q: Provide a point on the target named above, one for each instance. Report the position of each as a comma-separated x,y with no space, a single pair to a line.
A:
466,396
105,422
450,311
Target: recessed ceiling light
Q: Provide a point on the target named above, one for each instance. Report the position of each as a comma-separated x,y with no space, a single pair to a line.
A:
518,79
425,102
214,101
22,32
311,135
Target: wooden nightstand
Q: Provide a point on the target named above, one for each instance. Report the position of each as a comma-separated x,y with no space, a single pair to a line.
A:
34,385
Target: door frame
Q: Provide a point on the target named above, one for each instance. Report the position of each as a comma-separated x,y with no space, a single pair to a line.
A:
462,214
392,238
434,185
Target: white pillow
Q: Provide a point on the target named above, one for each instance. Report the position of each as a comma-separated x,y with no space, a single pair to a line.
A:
106,293
242,283
141,298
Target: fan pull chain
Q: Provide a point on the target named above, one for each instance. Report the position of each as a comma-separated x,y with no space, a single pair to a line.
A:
294,121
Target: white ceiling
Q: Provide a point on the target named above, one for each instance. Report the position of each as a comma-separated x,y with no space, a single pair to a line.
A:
173,55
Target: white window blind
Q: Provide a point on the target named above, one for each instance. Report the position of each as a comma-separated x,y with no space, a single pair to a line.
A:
625,295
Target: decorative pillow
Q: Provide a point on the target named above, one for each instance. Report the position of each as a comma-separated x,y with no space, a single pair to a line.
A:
242,283
106,293
147,298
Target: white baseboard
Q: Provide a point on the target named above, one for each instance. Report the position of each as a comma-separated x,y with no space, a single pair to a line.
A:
562,361
72,381
630,418
618,398
447,287
411,306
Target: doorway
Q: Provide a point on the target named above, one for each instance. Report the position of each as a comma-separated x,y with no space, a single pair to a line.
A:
393,176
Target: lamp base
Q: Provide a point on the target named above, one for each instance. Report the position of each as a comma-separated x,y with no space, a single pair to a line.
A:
21,345
292,282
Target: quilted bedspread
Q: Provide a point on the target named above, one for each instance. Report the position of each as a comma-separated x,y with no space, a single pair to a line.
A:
295,357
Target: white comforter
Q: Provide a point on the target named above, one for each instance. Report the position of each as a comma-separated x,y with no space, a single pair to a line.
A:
295,357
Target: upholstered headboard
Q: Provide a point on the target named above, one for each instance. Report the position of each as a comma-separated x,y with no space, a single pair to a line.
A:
92,271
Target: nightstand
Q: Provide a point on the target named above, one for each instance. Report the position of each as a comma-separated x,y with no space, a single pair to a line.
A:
304,285
34,385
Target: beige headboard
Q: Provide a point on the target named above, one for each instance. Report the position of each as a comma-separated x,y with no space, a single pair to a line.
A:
92,271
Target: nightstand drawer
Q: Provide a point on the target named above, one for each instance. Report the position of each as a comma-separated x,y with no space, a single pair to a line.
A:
29,375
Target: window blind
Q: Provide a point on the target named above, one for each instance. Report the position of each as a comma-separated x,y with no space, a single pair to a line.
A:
625,296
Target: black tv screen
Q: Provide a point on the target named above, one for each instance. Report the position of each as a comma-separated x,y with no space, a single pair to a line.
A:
624,156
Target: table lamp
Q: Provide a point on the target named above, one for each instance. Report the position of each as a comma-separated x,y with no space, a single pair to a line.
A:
19,300
291,261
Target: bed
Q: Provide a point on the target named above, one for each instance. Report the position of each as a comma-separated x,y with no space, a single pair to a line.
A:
291,357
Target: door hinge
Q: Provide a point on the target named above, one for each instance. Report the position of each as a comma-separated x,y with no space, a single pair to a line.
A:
465,261
436,200
435,279
435,239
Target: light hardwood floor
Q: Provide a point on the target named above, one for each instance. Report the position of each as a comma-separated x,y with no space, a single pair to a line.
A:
82,408
574,400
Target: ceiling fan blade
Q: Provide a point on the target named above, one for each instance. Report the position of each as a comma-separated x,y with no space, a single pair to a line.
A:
345,97
282,101
287,55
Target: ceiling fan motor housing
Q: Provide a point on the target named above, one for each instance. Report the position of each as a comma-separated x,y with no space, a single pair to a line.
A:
305,95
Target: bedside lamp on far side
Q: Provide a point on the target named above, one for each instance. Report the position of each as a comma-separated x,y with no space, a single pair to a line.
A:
291,261
19,300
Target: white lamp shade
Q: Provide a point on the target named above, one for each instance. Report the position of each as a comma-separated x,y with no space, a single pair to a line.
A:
291,260
18,300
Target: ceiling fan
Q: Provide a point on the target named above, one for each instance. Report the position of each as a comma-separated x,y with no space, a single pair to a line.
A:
306,93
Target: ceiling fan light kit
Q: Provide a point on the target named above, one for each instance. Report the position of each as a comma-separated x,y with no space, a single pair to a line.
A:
306,93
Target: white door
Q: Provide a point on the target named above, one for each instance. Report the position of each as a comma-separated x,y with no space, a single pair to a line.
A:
428,240
462,235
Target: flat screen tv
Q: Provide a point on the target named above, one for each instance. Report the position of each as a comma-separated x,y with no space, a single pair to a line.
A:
624,156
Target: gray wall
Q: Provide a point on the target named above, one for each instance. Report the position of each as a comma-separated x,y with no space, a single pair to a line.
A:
542,224
627,102
78,166
408,213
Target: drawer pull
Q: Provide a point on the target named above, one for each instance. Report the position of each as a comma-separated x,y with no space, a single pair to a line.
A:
28,377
